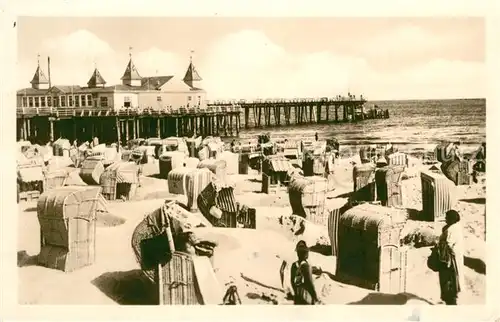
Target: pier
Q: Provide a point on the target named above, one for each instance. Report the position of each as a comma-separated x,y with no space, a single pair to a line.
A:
220,118
40,125
144,107
280,112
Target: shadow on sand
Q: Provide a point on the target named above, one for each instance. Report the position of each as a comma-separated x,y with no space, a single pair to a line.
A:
263,297
414,214
345,195
389,299
23,259
127,287
475,264
325,250
251,280
155,176
30,209
479,201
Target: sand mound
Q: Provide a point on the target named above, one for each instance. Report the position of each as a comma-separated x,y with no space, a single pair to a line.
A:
106,219
418,235
242,253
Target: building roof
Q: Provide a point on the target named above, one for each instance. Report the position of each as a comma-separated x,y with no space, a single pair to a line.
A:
147,84
131,72
39,77
65,89
176,84
191,74
32,91
154,83
96,79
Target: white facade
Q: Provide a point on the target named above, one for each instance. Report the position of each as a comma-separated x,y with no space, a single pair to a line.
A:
160,99
40,86
132,93
123,100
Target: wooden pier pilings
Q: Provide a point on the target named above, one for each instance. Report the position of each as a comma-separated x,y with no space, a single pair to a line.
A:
281,112
40,125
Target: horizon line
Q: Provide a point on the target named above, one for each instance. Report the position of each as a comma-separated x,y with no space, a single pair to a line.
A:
427,99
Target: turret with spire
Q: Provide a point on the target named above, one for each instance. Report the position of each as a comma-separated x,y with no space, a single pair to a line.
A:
39,80
192,78
131,76
96,80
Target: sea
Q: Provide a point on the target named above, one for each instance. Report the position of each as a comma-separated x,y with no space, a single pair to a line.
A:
413,126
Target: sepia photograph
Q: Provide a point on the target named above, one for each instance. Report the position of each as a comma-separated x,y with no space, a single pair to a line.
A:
251,161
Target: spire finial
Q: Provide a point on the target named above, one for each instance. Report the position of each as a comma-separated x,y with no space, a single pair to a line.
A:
191,56
38,58
130,51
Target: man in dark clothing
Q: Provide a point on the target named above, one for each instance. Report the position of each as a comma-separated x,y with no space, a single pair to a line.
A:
301,278
316,136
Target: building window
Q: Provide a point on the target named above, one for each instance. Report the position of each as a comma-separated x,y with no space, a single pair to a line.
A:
30,99
158,98
37,101
25,101
63,101
104,102
70,101
89,100
77,100
84,103
199,100
42,101
49,101
189,98
126,101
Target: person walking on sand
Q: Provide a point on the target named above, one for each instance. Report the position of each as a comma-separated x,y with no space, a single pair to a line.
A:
451,255
301,278
316,136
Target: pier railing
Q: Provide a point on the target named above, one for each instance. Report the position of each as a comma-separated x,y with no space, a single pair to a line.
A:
288,101
134,111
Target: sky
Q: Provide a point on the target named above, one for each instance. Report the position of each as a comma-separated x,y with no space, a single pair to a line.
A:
249,58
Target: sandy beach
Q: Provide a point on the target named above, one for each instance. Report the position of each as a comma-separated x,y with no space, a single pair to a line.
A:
248,258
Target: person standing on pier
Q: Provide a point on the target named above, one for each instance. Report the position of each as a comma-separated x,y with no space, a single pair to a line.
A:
316,136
